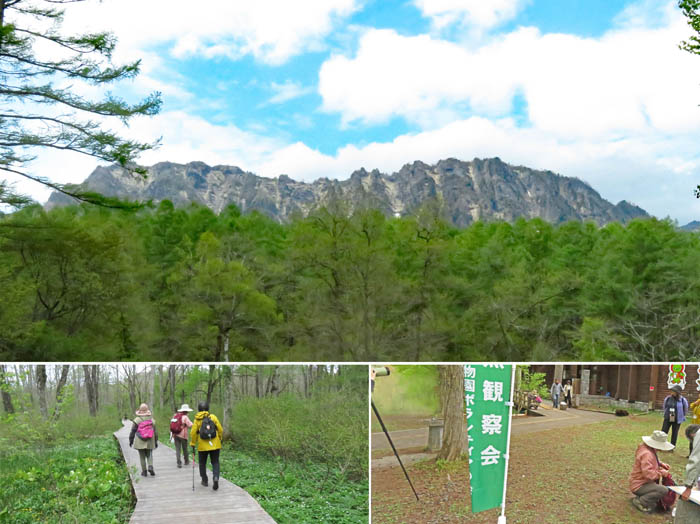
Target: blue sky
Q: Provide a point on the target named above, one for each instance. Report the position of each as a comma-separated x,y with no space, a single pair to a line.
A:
595,89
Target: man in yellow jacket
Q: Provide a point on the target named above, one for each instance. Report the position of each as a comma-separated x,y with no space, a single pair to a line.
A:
205,435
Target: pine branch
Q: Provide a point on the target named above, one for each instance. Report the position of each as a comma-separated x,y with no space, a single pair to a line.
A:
89,197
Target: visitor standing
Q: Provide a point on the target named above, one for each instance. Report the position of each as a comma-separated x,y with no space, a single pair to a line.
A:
675,410
556,390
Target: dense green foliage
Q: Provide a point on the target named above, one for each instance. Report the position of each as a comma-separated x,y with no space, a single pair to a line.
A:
300,492
84,480
170,284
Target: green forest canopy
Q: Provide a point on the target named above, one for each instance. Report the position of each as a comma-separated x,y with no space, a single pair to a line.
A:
167,284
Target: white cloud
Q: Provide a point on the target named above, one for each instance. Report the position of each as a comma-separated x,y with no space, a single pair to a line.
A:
288,91
480,14
627,81
270,30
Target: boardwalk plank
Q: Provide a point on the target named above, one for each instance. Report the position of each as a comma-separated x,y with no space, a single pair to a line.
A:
169,494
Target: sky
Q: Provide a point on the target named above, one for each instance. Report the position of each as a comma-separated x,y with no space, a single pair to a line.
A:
596,89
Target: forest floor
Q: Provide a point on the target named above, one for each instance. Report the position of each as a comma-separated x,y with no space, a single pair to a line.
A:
293,492
577,475
84,480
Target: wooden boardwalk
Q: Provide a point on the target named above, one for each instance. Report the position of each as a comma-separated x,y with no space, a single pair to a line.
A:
168,497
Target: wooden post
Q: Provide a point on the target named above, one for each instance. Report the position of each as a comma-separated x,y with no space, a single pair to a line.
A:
654,381
632,394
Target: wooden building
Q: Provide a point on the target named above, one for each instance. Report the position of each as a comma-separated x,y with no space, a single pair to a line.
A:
631,382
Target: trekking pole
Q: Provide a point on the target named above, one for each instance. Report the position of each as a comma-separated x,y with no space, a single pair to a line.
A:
381,422
192,468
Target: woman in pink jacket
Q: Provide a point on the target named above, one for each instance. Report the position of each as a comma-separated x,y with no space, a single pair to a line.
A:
649,471
180,426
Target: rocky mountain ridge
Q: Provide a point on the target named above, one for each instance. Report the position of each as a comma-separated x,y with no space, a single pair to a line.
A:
487,189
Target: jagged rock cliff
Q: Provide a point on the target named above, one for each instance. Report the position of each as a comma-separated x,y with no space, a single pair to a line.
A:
481,189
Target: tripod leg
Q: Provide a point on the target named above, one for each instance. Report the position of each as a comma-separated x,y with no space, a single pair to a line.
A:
381,423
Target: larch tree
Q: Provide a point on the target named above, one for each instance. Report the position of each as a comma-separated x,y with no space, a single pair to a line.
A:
42,110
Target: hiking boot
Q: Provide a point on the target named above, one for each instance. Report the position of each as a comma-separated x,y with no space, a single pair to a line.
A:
179,465
205,482
150,470
637,503
187,463
144,474
216,484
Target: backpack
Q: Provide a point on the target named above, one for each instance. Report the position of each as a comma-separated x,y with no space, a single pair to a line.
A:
207,430
145,429
176,423
667,501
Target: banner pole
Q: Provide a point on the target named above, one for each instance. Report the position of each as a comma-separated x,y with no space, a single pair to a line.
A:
502,518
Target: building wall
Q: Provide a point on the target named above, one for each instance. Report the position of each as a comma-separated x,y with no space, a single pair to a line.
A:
662,390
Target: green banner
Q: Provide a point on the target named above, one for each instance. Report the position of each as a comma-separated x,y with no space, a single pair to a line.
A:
487,389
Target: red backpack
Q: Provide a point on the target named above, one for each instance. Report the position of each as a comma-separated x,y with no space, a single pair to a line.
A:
176,423
669,499
145,429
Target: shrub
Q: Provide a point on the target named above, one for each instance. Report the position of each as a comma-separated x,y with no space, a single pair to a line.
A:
330,429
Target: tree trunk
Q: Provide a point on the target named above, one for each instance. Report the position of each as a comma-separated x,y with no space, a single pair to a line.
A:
171,380
454,443
119,392
6,395
162,387
59,390
228,403
41,387
91,377
152,388
131,382
211,383
258,380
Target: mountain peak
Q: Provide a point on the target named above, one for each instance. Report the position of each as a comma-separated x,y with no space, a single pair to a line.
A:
481,189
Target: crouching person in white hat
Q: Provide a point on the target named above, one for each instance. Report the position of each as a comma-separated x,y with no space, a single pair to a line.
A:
180,426
648,471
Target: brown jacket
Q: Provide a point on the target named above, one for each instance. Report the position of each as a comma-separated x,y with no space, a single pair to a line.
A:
647,468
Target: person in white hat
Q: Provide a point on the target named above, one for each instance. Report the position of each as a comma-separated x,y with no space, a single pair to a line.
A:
180,426
648,471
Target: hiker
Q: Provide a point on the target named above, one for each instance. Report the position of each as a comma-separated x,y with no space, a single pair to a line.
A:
688,512
180,426
648,471
205,435
675,409
144,438
568,388
555,390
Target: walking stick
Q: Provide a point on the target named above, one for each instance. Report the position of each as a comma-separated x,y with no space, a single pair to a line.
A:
192,468
381,422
